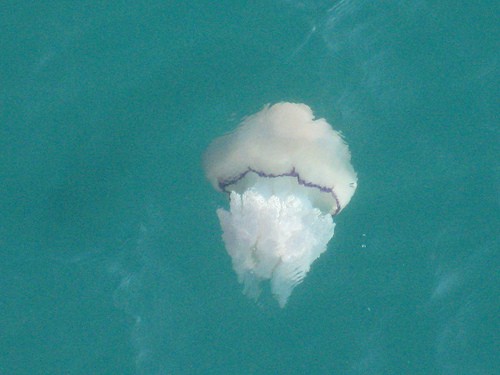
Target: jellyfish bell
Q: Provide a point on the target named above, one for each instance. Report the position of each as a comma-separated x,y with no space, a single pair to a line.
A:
286,175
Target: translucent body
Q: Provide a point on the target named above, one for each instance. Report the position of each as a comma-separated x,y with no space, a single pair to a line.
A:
286,175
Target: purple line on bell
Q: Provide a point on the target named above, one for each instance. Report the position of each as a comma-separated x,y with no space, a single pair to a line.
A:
225,183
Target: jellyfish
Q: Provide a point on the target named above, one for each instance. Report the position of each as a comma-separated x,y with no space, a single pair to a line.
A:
287,175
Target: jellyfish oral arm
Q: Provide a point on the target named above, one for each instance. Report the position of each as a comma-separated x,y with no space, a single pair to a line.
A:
273,238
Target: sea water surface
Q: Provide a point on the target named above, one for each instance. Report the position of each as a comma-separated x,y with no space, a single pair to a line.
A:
111,257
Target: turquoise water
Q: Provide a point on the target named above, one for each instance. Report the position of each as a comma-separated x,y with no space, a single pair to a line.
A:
111,258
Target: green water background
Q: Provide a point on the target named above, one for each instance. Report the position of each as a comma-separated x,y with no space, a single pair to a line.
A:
111,260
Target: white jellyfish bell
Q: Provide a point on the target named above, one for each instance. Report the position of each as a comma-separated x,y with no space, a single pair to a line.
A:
286,174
